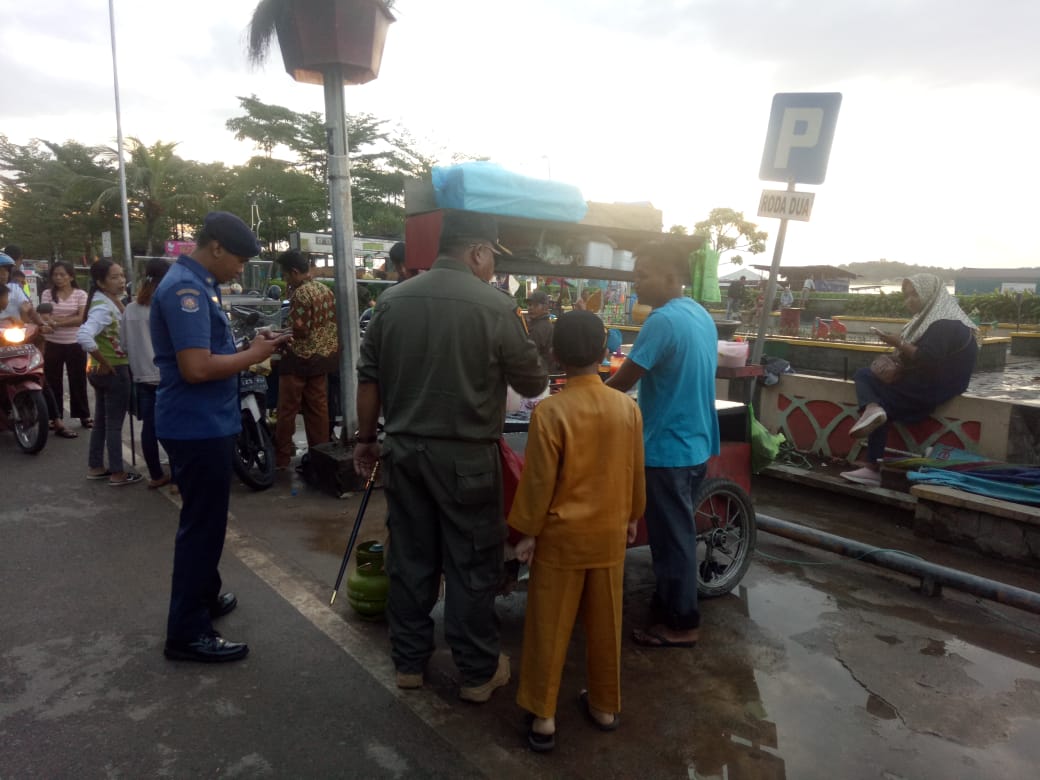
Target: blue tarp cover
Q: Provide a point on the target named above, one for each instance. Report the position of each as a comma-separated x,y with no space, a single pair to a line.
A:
1020,484
490,188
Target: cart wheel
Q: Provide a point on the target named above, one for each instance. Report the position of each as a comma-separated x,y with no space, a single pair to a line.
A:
726,534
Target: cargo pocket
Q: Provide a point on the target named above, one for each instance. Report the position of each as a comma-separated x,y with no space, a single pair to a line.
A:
486,571
475,481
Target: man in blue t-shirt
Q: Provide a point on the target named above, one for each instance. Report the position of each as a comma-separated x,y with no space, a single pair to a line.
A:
674,360
197,419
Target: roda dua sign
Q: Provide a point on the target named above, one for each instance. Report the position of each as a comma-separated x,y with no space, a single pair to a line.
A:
786,205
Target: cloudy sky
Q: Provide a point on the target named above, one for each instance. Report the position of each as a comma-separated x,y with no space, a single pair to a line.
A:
935,156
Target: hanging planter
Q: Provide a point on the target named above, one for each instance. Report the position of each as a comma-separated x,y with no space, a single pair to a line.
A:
317,34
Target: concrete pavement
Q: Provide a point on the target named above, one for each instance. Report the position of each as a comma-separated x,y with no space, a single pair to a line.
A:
814,667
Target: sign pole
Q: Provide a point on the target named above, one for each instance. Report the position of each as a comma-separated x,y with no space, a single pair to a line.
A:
767,302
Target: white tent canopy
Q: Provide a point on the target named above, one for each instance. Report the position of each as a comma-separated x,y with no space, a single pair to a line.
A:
727,275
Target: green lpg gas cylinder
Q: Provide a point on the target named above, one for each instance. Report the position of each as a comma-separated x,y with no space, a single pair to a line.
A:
368,585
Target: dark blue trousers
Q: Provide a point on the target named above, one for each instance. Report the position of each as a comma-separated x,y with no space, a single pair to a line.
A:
673,543
201,469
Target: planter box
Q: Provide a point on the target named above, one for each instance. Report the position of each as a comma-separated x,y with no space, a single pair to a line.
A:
318,34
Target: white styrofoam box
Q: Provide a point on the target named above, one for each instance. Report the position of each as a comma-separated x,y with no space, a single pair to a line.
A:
598,254
623,260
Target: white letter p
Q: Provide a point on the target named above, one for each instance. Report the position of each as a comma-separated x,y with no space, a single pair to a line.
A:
789,139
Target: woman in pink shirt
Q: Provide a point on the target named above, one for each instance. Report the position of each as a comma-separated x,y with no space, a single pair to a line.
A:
62,352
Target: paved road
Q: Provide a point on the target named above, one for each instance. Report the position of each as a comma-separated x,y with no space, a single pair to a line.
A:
815,667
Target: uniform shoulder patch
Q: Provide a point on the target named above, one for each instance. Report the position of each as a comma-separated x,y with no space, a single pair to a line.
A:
189,303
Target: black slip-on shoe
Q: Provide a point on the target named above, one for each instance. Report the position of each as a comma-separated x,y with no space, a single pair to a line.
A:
225,603
206,649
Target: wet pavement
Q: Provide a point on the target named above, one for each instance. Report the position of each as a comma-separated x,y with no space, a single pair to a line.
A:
816,666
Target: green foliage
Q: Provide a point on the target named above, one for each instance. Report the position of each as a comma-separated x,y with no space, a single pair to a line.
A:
381,158
990,307
726,230
58,198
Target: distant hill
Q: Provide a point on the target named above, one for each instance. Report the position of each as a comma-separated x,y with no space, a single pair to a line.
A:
889,271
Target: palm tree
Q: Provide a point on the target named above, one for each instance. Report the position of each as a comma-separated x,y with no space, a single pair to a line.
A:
155,188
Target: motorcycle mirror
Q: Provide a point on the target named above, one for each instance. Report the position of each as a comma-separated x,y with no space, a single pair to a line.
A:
45,308
274,292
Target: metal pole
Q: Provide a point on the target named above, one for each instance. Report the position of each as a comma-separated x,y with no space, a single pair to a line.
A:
767,302
932,575
347,315
128,258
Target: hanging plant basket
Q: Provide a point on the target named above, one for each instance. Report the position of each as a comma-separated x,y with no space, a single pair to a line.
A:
316,34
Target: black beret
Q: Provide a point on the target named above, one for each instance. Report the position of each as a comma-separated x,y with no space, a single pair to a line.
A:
232,233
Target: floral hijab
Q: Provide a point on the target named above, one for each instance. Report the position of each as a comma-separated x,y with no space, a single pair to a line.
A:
937,304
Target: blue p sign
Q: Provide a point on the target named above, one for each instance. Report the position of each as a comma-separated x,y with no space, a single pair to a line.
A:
798,141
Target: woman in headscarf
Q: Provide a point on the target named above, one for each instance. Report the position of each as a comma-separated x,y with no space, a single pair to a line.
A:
937,351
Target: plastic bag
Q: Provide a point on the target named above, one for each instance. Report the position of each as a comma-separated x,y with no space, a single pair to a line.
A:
765,446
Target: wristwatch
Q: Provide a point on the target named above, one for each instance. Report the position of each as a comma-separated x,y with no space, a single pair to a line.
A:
365,439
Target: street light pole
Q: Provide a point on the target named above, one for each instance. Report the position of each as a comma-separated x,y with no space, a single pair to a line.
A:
347,315
128,258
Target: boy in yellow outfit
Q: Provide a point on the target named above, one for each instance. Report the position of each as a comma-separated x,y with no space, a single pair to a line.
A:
581,493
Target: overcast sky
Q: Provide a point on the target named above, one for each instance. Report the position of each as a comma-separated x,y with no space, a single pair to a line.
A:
935,156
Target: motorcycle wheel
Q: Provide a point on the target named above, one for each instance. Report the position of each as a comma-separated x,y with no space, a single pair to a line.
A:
30,421
254,454
726,532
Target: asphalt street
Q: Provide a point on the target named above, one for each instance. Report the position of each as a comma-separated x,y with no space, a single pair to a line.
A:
814,667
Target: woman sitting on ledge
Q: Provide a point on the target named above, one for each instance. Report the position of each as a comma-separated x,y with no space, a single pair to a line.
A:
936,351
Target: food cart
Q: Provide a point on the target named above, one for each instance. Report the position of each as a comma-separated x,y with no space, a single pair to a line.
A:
725,515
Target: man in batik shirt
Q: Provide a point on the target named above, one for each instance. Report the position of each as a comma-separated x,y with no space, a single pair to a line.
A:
304,368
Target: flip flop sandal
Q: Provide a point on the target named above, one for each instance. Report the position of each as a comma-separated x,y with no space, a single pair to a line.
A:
647,638
86,422
583,700
131,478
65,433
102,475
158,483
539,743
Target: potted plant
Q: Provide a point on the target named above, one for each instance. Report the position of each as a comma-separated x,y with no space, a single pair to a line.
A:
317,34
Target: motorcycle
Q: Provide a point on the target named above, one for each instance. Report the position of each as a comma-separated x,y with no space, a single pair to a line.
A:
21,376
254,459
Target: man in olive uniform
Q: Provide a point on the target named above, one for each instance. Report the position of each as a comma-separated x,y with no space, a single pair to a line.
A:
436,358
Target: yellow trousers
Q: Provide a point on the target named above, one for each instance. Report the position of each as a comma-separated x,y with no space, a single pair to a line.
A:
554,597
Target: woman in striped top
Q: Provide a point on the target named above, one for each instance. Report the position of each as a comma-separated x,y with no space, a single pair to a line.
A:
63,354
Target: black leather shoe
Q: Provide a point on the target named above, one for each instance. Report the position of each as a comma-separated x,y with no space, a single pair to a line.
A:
206,649
225,603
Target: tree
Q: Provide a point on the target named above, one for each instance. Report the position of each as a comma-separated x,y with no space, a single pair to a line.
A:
678,230
155,189
726,230
381,158
47,197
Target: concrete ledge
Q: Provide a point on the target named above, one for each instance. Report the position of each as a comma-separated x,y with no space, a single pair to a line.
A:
992,526
839,485
816,413
1021,513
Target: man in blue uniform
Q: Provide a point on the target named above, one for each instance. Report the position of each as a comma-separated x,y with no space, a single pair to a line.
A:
674,360
197,420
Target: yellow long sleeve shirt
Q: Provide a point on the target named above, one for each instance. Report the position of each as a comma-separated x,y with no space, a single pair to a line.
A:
583,478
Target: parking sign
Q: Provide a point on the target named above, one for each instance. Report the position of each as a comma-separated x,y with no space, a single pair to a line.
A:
798,141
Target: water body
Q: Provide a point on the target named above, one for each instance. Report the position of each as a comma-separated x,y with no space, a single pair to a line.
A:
1018,382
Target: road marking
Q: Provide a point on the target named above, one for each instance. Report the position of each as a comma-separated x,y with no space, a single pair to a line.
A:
434,712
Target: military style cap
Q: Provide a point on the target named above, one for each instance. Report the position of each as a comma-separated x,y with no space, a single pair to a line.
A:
232,233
